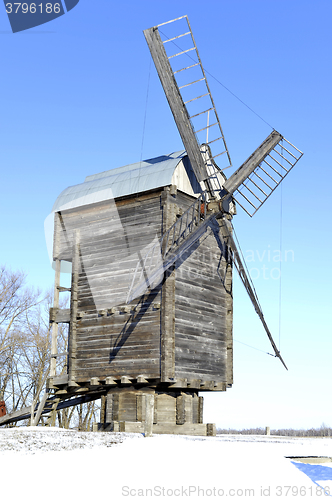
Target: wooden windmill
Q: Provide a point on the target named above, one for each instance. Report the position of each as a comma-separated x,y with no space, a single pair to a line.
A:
151,252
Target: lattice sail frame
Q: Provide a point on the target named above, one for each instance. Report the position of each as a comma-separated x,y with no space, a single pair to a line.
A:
266,177
192,85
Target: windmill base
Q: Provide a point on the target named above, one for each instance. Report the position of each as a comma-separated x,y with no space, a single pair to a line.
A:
162,428
153,411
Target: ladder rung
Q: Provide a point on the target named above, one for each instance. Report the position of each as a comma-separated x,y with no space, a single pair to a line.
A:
257,186
204,128
63,289
214,140
195,98
283,147
268,185
278,163
293,147
245,185
201,113
219,154
172,21
283,157
250,215
183,52
276,171
260,166
175,37
240,192
188,67
191,83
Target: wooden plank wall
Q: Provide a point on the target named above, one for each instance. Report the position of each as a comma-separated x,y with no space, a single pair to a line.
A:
112,339
201,305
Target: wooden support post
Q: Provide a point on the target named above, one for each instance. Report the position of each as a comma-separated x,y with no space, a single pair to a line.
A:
180,410
54,326
168,301
73,309
200,409
149,413
54,341
103,409
52,416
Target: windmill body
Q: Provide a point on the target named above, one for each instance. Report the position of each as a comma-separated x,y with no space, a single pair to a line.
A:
172,341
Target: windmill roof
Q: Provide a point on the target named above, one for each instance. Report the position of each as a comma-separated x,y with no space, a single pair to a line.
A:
123,181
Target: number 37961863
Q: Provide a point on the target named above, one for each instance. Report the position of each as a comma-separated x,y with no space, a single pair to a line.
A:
33,8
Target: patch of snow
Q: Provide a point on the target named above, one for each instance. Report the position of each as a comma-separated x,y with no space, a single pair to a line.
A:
120,465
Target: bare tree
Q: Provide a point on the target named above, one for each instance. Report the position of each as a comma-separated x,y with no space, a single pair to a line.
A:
25,350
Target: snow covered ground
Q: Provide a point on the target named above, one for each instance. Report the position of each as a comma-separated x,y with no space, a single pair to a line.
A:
55,463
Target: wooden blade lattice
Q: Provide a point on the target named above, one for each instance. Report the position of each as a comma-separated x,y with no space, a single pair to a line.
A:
254,182
184,81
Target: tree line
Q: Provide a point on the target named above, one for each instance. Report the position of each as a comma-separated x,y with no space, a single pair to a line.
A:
25,350
322,431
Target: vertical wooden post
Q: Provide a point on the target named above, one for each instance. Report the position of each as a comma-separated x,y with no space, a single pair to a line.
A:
149,412
168,302
103,409
73,309
56,258
54,341
180,410
200,409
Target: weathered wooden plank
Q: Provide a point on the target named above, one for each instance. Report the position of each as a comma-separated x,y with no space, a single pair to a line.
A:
73,311
167,359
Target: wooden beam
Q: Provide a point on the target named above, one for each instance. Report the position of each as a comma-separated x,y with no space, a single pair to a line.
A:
73,309
149,414
243,172
167,354
175,102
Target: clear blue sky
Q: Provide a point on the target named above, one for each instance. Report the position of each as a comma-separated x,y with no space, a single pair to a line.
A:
74,96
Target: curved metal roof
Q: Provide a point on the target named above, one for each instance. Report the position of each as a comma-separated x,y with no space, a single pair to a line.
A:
122,181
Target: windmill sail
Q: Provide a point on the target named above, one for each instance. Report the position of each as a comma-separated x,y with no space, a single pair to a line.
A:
188,95
227,235
262,172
